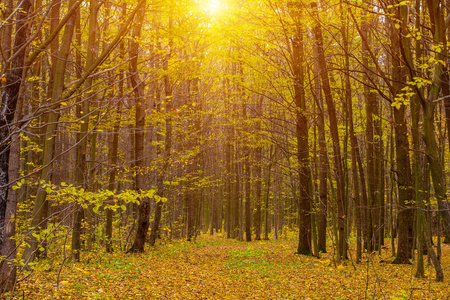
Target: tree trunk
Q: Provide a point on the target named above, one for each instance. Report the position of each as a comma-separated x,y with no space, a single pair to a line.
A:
8,251
353,145
139,136
229,129
323,162
258,174
83,113
9,99
267,192
194,192
6,33
165,156
429,107
10,151
403,167
247,170
318,40
304,207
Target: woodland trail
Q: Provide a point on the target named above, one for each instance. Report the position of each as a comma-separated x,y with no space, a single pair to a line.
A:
217,268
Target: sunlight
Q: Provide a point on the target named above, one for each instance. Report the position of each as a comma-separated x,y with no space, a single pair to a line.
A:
213,7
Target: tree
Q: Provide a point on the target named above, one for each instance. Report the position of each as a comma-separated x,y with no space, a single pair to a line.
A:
138,88
331,107
304,206
9,105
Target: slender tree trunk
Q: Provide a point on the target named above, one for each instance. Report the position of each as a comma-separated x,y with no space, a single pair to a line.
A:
194,193
6,33
113,151
338,165
9,100
113,156
247,180
304,243
433,256
353,145
258,175
166,155
139,135
160,177
247,189
8,250
323,159
267,192
237,164
229,129
237,194
371,109
323,175
83,113
8,267
429,108
419,173
403,170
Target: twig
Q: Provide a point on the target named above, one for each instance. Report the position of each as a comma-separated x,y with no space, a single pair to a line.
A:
64,259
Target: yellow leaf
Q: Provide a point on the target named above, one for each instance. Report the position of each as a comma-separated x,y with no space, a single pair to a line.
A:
81,270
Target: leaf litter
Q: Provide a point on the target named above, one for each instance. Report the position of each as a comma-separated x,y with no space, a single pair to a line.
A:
217,268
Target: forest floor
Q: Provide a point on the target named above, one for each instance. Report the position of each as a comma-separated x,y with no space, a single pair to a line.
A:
216,268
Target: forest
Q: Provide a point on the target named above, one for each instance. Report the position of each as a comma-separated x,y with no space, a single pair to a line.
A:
194,149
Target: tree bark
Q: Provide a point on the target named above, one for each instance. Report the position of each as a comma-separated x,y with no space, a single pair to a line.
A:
8,107
304,208
258,174
8,251
139,136
83,113
10,151
338,165
114,148
429,107
403,170
355,155
164,155
247,185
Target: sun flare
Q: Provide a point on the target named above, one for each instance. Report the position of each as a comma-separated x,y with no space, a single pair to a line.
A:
214,6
